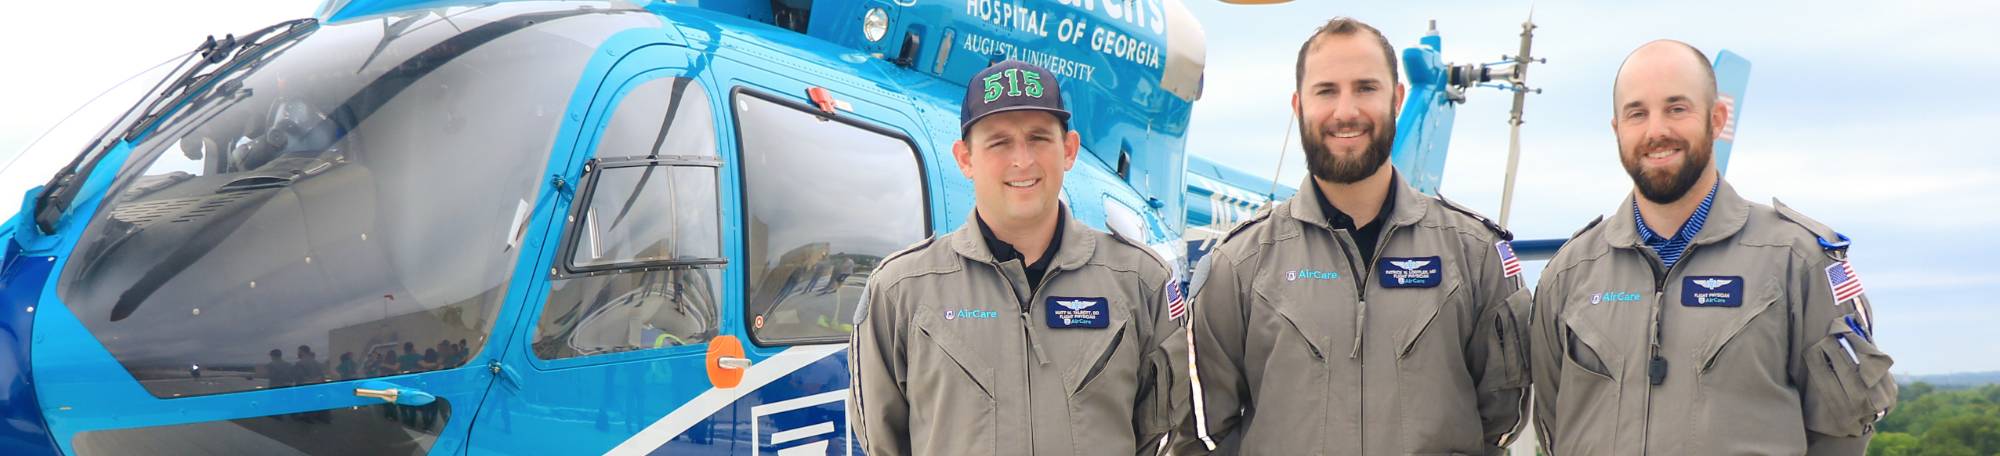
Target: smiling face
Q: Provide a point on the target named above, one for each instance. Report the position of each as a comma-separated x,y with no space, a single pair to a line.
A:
1665,119
1016,162
1347,103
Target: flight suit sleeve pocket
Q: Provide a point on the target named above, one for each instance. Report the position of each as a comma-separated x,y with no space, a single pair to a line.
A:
1169,395
1850,387
1507,357
1514,340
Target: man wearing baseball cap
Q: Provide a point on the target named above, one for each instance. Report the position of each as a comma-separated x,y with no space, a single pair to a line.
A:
1023,332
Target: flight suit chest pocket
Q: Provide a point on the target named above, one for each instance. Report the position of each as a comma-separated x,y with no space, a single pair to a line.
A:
947,339
1417,314
1849,385
1411,298
1588,347
1099,353
1743,324
1299,328
1303,311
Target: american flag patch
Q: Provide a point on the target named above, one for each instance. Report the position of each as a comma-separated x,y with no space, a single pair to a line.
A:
1176,307
1846,284
1510,265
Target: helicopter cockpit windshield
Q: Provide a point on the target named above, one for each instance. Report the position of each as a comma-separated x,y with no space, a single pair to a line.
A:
362,186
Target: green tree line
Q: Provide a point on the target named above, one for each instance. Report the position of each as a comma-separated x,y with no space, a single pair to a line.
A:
1929,421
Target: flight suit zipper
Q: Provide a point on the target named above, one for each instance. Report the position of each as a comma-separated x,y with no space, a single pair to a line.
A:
1360,279
1028,349
1031,352
1361,305
1656,364
1654,378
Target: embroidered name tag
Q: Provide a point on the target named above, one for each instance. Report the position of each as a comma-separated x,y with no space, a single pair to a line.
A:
1712,291
1068,313
1419,272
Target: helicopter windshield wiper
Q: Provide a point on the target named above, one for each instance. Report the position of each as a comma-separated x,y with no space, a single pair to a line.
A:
60,190
229,50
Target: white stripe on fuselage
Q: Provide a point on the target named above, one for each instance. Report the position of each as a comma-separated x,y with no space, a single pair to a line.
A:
826,427
701,407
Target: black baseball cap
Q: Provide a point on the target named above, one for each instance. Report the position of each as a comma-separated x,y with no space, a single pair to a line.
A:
1011,85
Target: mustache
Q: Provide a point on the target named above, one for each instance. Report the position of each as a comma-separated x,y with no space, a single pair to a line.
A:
1666,143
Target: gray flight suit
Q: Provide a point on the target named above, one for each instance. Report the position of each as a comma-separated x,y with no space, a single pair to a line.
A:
956,356
1302,348
1758,358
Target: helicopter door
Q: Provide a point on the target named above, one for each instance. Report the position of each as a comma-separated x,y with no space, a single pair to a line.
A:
624,323
825,198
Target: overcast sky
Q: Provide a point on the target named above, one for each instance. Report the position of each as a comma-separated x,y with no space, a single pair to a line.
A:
1869,116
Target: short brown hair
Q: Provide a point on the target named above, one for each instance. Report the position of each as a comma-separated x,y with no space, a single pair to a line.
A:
1344,26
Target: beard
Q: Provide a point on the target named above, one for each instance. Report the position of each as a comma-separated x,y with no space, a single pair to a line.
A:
1323,164
1664,186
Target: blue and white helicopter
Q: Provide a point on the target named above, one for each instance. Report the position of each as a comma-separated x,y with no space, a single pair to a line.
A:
454,227
442,227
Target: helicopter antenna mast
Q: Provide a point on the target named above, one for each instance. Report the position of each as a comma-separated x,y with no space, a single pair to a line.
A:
1519,80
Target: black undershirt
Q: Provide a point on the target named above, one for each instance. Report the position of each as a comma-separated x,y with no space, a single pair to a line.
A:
1364,237
1004,252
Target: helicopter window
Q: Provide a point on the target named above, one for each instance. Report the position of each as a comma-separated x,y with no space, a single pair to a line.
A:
346,206
825,200
645,250
651,214
652,195
646,260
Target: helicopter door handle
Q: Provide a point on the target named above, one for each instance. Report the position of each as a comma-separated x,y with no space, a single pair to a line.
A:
726,362
394,394
732,363
388,395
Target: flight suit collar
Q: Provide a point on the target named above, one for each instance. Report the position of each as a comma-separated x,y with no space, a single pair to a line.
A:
1408,205
1002,251
1725,217
1072,252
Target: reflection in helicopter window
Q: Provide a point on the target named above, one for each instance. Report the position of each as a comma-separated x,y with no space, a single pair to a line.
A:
826,201
626,311
376,429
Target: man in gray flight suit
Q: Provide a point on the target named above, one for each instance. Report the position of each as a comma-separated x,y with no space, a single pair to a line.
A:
1360,317
1692,321
1024,331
